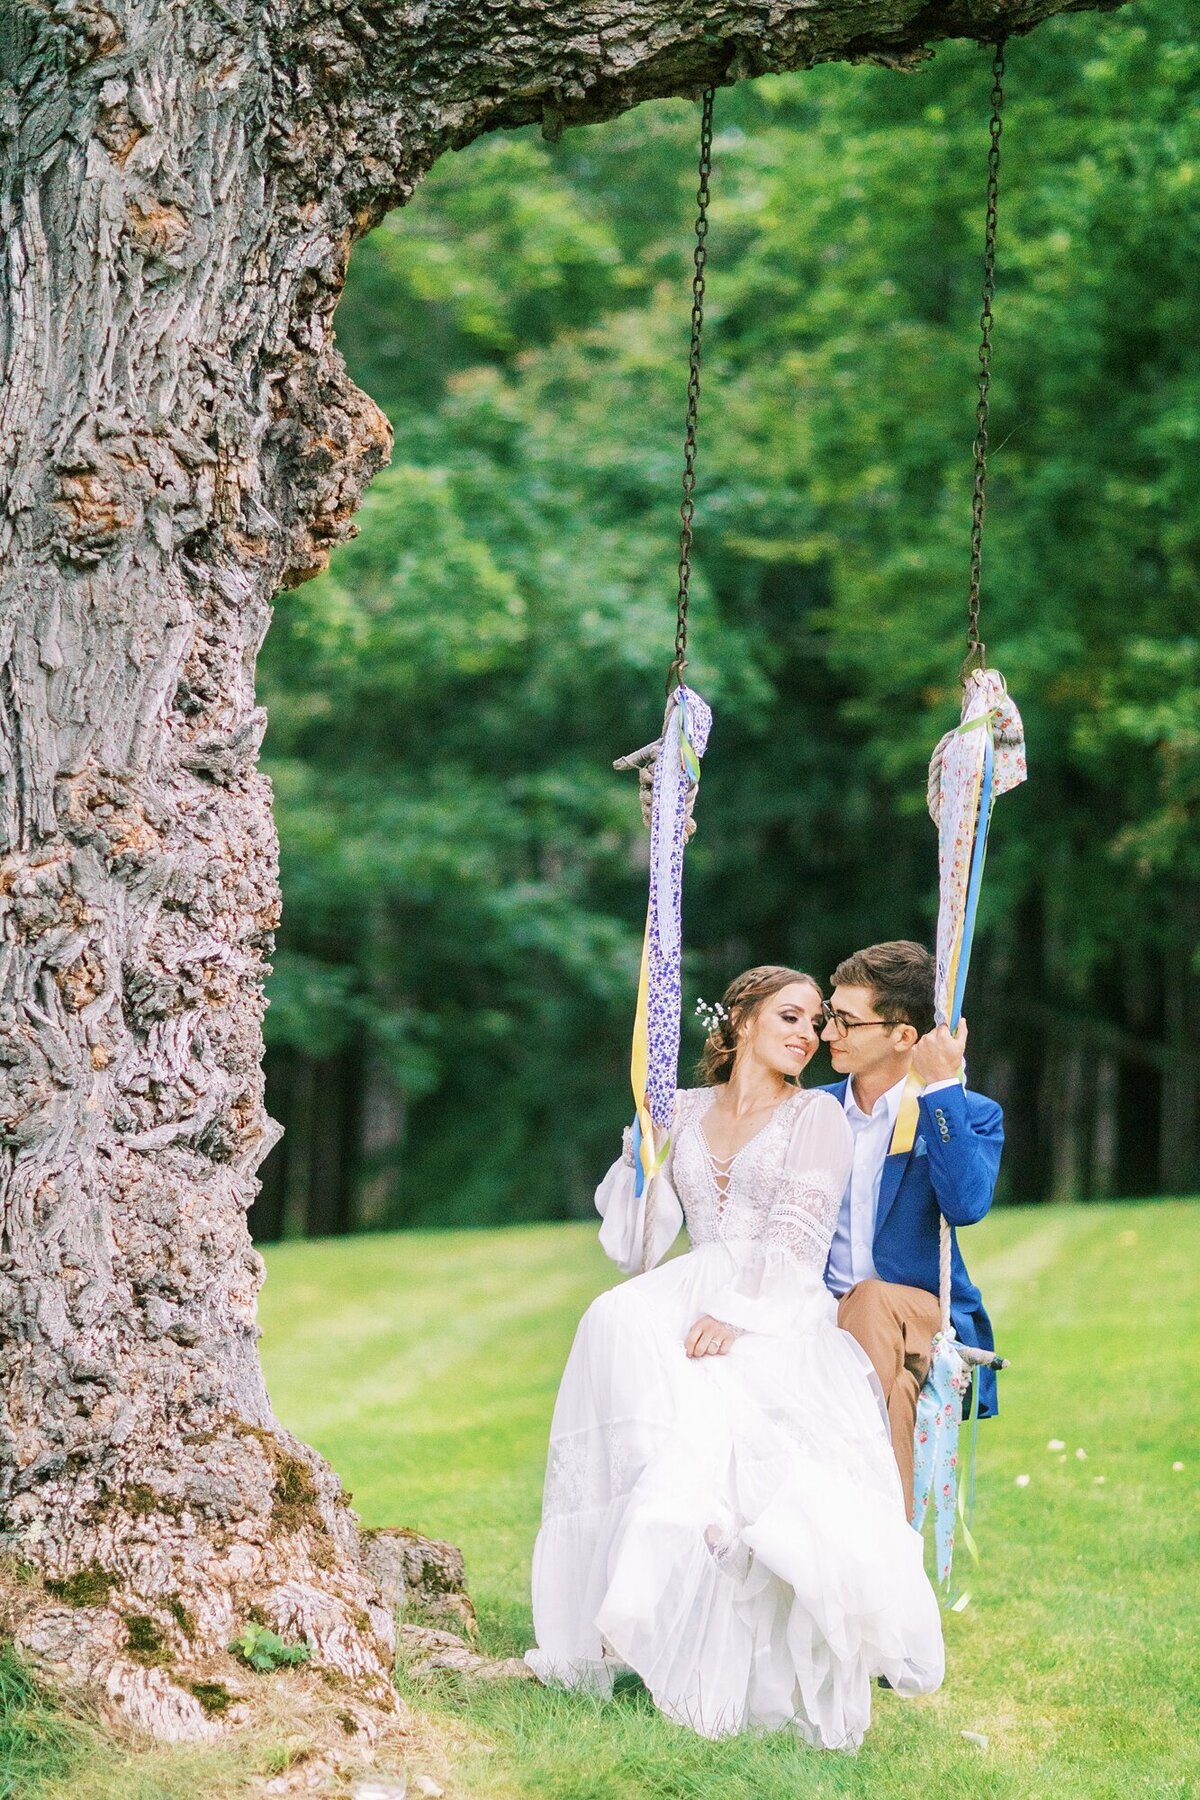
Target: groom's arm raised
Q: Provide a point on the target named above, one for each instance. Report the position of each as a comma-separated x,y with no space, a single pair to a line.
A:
963,1133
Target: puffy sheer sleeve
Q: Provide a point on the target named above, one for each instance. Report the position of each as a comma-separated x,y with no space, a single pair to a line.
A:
623,1212
774,1284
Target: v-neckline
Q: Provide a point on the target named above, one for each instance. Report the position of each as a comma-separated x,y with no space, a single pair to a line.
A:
729,1161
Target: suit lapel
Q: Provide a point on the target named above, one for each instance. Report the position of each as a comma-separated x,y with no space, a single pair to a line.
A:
893,1174
896,1161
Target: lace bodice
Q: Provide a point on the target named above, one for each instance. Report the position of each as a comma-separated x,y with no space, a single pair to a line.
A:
782,1190
773,1206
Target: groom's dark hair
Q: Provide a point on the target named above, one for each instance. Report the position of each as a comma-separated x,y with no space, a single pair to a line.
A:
900,977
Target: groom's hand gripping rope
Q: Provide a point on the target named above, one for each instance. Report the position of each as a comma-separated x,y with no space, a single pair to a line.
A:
709,1337
939,1054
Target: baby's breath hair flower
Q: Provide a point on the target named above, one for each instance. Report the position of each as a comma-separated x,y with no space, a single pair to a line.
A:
712,1015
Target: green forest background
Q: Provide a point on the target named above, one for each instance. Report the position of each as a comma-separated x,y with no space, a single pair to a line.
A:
463,873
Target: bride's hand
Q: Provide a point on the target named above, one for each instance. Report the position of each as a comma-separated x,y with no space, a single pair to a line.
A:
708,1337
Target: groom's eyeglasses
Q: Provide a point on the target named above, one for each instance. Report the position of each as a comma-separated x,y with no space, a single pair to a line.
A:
841,1024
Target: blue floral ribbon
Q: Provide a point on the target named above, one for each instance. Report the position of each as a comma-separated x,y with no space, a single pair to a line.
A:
654,1059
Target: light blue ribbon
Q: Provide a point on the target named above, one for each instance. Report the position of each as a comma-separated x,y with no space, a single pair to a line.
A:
935,1461
975,879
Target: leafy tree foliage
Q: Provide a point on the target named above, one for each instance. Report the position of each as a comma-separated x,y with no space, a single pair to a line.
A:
464,877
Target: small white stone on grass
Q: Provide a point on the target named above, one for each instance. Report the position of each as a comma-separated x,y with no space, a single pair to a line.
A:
975,1737
1022,1481
1081,1456
425,1784
1056,1444
1099,1480
1175,1467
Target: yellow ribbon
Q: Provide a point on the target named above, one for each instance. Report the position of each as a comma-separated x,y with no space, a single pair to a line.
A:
904,1132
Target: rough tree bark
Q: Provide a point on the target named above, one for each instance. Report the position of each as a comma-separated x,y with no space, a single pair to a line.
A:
180,185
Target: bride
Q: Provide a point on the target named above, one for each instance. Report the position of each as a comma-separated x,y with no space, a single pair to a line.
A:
722,1510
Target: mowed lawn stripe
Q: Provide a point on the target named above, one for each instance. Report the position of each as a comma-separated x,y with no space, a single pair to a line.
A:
425,1366
361,1326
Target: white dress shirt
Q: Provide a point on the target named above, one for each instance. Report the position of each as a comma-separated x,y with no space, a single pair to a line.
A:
851,1254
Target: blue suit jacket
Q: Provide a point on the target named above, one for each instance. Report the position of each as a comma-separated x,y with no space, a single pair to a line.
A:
952,1169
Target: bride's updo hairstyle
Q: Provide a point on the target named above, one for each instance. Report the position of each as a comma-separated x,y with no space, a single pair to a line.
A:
739,1003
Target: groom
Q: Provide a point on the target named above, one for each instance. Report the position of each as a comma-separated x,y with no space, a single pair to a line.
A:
883,1262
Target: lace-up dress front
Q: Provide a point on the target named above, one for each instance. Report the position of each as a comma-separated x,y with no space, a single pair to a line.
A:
731,1527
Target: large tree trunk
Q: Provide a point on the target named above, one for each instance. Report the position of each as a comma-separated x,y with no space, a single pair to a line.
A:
180,185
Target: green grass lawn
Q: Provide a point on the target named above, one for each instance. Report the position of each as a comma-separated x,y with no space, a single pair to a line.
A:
425,1366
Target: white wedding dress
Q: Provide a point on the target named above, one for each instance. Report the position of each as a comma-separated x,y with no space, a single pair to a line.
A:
731,1527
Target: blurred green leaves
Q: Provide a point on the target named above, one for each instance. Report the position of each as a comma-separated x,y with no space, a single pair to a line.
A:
463,875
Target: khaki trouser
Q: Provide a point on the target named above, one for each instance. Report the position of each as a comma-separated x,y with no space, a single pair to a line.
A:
895,1326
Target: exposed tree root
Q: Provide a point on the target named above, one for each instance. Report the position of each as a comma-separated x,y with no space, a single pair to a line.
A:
113,1633
428,1652
330,1730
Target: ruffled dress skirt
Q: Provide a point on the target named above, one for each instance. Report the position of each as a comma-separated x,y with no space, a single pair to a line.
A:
731,1527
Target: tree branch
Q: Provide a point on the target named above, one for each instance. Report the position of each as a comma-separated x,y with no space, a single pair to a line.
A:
384,89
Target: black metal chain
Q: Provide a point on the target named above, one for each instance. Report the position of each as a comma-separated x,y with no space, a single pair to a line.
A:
687,508
976,657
